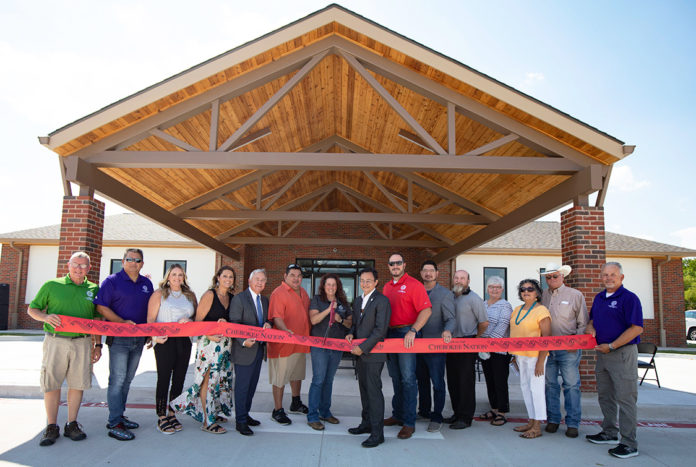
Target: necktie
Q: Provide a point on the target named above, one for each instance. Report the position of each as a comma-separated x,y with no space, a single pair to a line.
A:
259,310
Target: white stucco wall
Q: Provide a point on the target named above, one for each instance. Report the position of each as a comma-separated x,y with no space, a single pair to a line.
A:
637,271
199,268
43,263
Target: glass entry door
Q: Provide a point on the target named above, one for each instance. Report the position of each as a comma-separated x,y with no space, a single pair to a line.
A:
346,269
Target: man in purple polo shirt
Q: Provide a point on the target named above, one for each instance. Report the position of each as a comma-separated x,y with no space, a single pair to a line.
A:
123,298
616,321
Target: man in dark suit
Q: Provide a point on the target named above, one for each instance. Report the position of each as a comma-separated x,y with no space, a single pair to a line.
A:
250,308
371,313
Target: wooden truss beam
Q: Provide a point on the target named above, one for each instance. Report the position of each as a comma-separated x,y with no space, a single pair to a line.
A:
84,174
220,191
584,182
464,105
393,103
333,216
333,161
201,103
270,103
395,243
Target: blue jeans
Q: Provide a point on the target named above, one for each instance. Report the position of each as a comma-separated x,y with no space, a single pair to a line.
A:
402,369
124,356
324,365
431,367
568,366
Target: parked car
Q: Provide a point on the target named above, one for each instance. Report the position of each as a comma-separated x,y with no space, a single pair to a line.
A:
690,317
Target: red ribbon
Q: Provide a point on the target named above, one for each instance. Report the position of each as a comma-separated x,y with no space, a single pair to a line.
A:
211,328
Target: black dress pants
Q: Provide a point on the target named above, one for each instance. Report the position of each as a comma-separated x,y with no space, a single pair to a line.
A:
371,396
461,382
172,359
496,370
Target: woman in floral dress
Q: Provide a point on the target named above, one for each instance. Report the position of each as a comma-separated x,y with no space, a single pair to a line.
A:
209,397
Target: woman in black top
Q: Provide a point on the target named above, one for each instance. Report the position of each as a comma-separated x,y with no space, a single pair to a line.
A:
331,317
210,394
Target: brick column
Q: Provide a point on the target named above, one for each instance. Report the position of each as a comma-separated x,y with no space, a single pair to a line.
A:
81,229
672,305
583,248
15,275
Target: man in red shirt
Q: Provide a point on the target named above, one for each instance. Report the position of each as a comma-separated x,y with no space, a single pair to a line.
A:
410,310
289,311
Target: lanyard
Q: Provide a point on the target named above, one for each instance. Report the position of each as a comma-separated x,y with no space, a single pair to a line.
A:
517,319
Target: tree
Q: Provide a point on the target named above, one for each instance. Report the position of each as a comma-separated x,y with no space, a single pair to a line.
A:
689,268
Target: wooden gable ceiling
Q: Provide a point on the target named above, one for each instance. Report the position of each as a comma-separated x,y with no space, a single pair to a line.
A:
334,123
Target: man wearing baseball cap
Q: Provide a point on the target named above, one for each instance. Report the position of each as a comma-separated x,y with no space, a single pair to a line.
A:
568,317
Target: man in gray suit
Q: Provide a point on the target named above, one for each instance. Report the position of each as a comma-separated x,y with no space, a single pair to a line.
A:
431,366
371,313
250,308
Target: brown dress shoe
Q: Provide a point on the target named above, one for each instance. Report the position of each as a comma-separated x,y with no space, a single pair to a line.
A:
316,425
572,432
551,427
406,432
391,421
333,420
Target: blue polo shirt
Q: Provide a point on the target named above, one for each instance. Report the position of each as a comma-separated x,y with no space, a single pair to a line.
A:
613,315
126,298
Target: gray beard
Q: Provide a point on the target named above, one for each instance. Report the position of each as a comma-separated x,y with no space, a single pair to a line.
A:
458,290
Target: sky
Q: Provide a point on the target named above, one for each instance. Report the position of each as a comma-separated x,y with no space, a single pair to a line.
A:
624,67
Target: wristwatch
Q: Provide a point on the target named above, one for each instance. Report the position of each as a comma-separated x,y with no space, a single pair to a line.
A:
611,347
415,331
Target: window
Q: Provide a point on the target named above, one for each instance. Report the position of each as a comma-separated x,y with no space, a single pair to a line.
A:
542,279
346,269
171,262
116,266
490,272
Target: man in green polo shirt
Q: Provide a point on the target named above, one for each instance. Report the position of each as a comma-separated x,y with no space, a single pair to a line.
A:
66,355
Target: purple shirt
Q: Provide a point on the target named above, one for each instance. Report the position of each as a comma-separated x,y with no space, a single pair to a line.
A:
126,298
613,315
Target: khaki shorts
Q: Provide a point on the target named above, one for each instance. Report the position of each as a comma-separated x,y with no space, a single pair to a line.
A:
282,370
69,359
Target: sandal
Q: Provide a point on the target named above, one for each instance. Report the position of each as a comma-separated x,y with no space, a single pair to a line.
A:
499,420
220,419
164,425
175,423
490,415
531,434
523,428
214,429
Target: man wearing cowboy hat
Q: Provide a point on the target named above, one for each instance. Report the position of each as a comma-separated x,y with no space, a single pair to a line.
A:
568,317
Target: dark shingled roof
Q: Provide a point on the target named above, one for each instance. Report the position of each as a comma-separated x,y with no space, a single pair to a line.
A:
535,236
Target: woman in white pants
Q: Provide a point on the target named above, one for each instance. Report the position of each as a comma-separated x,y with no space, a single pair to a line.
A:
532,319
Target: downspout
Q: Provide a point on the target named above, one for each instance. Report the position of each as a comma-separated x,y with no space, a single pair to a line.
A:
663,333
12,324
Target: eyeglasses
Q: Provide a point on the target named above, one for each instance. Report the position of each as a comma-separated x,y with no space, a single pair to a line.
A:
366,281
495,286
555,276
292,266
527,289
78,265
395,263
133,260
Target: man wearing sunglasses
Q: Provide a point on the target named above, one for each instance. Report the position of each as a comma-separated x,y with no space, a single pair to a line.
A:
568,317
123,298
410,310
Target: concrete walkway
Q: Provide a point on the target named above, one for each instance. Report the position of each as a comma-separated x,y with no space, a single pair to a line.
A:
660,411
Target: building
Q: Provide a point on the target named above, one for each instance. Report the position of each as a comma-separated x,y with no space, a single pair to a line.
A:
336,137
515,256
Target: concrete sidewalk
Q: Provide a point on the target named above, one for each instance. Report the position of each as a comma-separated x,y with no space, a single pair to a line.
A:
24,419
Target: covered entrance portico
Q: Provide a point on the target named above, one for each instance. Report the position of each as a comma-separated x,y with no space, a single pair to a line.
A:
336,138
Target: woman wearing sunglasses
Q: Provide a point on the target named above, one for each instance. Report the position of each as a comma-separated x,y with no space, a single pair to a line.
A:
532,319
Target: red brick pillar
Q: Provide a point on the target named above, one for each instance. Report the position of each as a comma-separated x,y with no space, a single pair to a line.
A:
583,248
13,271
81,229
672,304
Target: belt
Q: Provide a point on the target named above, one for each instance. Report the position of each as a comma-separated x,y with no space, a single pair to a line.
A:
401,326
66,337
